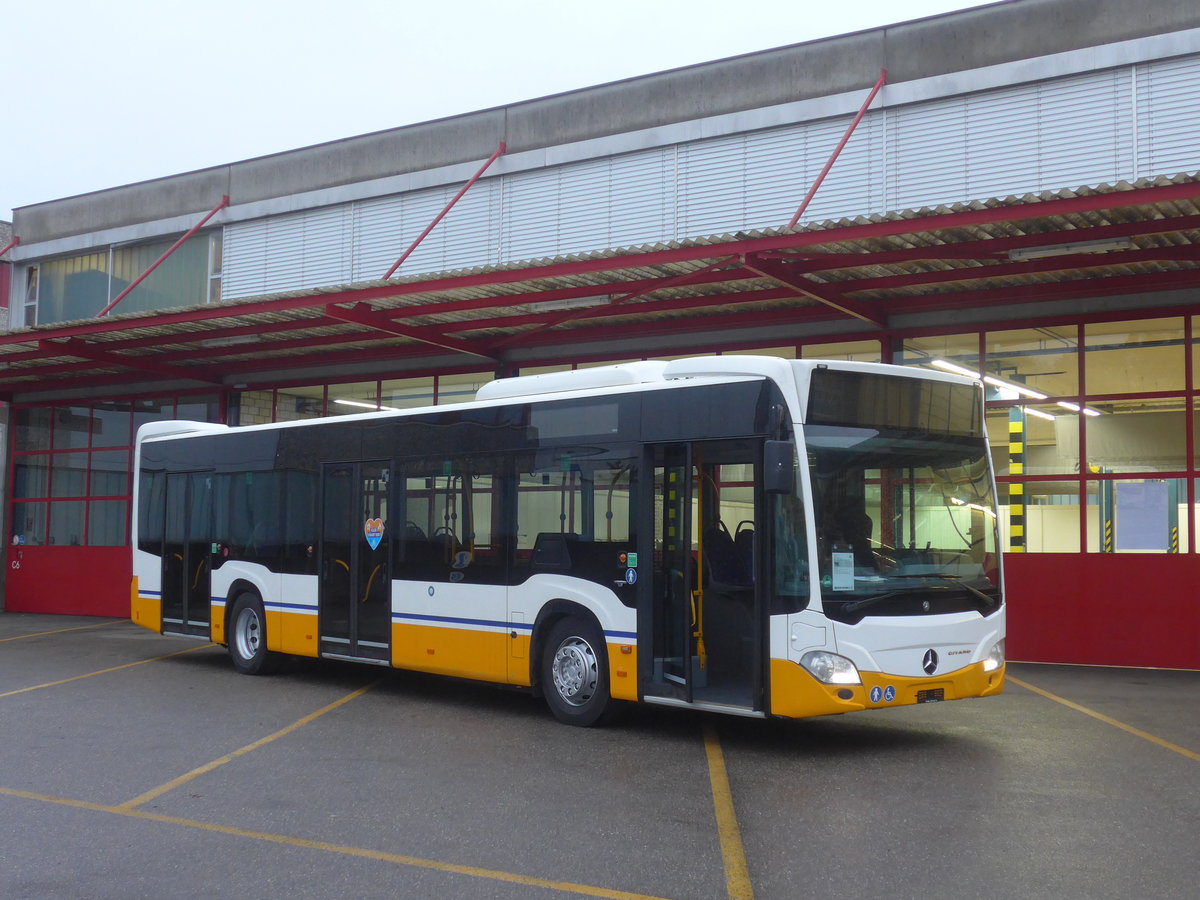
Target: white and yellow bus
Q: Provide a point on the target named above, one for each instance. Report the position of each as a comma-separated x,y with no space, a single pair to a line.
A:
747,535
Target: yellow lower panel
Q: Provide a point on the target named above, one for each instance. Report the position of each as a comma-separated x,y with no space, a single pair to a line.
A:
297,634
274,625
971,681
451,651
622,667
145,611
518,658
796,694
216,628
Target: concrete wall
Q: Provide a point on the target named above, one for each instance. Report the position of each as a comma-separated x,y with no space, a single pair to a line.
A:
998,33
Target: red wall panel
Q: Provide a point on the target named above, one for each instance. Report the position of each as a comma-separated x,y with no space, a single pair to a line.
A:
1116,609
81,581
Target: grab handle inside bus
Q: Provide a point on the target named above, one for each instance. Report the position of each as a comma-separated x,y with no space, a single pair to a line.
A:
778,470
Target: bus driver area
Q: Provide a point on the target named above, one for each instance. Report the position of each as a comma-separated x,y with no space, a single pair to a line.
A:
143,765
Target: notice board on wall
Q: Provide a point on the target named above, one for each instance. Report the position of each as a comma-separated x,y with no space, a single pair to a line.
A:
1142,515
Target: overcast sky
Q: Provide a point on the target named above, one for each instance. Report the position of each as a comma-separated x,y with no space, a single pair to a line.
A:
99,93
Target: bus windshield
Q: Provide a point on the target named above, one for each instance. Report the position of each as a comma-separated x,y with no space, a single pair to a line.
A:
906,522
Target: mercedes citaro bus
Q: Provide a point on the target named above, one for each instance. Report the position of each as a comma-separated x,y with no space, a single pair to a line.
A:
747,535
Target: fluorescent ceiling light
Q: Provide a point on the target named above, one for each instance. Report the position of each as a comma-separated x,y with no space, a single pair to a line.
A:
951,367
569,303
988,379
1037,412
1074,407
231,341
1008,385
1068,249
362,405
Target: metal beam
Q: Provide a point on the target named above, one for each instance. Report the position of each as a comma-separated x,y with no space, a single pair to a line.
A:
73,347
15,240
825,294
368,318
466,187
838,149
677,281
158,262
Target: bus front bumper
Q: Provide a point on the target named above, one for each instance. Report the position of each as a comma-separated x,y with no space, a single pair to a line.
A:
796,694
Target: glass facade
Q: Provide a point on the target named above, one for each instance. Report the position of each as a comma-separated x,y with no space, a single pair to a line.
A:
78,287
71,468
1092,429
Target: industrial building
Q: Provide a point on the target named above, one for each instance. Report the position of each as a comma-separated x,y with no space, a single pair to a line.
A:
1012,191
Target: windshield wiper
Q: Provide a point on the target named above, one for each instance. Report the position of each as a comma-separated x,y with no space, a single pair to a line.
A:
958,582
855,605
948,576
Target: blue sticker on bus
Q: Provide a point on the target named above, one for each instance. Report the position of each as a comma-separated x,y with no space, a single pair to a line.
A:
889,694
631,576
876,694
373,530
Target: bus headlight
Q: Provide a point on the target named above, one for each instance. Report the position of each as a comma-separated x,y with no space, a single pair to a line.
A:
995,657
830,668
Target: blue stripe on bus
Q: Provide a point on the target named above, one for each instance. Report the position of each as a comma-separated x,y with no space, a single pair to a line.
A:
454,621
299,606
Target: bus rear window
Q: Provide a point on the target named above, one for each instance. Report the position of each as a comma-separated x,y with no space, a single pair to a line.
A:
894,402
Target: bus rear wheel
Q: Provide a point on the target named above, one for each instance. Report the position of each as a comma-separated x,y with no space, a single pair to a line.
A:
248,637
575,673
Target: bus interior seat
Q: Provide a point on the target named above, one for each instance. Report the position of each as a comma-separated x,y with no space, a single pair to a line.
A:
551,551
722,562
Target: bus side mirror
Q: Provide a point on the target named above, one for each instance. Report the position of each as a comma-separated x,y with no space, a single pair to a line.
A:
778,468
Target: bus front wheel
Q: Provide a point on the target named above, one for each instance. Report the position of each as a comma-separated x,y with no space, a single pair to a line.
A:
248,637
575,672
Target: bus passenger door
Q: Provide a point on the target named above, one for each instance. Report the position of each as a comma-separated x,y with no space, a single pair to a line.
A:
186,554
706,622
670,608
354,594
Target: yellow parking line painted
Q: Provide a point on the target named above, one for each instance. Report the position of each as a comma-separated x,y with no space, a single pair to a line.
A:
140,662
21,637
737,873
229,757
1183,751
343,849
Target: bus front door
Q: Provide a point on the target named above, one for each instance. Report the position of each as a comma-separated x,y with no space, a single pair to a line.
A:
705,616
186,554
354,595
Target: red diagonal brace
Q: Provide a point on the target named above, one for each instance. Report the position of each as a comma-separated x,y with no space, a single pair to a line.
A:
838,149
822,293
678,280
16,240
75,347
158,262
466,187
362,314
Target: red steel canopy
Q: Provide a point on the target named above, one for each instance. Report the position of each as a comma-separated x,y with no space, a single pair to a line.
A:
1123,239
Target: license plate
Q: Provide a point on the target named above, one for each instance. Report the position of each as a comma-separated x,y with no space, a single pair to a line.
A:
931,696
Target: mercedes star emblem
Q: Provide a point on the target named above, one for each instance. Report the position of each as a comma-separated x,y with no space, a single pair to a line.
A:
929,663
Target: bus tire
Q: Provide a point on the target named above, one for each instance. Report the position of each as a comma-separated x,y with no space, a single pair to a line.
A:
248,637
575,672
